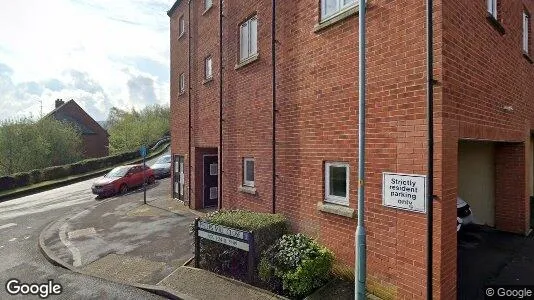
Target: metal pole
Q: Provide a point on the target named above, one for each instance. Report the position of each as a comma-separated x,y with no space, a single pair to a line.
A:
144,179
360,271
430,163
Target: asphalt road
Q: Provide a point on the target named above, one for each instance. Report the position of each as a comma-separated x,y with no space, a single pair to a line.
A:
21,221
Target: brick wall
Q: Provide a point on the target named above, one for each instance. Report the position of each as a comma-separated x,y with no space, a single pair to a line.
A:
247,129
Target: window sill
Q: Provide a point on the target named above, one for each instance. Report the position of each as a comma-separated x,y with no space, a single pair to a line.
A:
181,35
207,9
181,93
247,61
247,189
336,209
495,23
205,81
336,18
527,57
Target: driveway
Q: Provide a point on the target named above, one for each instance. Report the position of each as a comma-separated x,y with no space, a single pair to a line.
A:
490,257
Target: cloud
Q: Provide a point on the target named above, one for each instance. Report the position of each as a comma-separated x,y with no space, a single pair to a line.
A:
142,90
101,53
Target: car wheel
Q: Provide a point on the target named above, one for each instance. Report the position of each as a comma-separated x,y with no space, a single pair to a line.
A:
123,189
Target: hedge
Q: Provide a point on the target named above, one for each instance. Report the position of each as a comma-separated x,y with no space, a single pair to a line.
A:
232,262
18,180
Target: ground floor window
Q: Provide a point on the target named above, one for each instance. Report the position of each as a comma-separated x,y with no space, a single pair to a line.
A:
248,172
337,182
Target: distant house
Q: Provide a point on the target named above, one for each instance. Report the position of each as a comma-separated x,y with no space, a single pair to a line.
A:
95,137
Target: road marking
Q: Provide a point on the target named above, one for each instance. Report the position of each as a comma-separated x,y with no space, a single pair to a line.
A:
13,239
81,232
26,237
75,252
8,225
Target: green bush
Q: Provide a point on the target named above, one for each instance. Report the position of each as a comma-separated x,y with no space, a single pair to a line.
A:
21,179
296,265
232,262
35,176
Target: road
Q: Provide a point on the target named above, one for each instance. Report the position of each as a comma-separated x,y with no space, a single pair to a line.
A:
21,221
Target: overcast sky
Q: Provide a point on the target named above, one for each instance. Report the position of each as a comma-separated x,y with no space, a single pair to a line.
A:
101,53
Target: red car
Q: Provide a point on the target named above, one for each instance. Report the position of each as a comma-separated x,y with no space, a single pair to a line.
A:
121,179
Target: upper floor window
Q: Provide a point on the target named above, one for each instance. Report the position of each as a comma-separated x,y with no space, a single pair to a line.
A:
208,69
526,31
248,38
337,183
181,24
207,4
332,7
492,8
182,83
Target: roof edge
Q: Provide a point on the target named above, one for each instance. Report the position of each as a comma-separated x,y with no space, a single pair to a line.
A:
173,8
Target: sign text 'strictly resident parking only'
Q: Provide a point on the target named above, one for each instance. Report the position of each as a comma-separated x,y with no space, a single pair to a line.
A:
404,191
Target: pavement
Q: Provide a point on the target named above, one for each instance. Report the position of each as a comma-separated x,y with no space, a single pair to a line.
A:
490,257
147,246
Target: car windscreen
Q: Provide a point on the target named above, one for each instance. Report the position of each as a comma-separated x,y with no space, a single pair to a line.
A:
164,160
117,172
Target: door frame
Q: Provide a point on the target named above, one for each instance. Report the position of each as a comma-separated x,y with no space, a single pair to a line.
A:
176,159
204,178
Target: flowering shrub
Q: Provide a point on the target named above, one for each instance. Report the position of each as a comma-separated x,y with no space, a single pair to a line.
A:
296,265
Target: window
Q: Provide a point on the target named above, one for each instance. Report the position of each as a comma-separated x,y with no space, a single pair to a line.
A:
337,183
526,29
248,38
207,4
332,7
208,70
492,8
182,83
181,23
248,172
214,193
214,169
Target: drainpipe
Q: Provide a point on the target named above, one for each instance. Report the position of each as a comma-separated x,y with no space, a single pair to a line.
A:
189,37
220,103
430,163
360,229
273,62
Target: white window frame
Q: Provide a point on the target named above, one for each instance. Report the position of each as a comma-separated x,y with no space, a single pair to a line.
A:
182,83
208,4
248,35
526,27
341,6
249,183
208,68
331,198
181,26
492,8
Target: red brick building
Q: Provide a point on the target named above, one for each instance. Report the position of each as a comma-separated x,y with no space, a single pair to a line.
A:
95,141
484,117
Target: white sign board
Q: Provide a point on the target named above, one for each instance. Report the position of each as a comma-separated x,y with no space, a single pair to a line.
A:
404,191
223,240
235,233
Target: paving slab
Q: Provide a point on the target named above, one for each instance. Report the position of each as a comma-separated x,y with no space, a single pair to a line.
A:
204,285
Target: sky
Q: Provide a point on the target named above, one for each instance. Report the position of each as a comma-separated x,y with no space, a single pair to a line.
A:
101,53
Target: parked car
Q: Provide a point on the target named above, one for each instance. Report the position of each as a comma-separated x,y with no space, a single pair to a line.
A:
121,179
162,167
464,215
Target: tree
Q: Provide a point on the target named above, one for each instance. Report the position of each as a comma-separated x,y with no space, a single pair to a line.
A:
130,130
26,144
